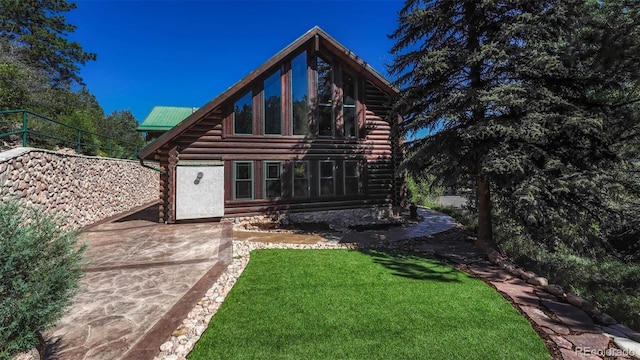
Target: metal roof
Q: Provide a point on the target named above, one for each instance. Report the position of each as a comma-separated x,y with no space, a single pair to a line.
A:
163,118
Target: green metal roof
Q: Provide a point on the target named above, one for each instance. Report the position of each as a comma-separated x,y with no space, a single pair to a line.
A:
163,118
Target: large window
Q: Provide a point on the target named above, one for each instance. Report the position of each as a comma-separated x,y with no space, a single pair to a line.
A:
351,178
272,179
327,175
243,180
350,124
272,105
325,97
300,178
243,115
299,95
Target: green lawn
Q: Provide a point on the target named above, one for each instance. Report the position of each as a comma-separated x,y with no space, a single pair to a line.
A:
342,304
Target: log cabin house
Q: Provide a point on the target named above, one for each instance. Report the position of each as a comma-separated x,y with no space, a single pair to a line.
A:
309,130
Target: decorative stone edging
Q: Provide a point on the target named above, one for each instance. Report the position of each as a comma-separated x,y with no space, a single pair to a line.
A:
336,220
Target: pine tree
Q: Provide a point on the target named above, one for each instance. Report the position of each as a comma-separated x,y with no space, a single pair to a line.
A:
526,99
452,59
40,29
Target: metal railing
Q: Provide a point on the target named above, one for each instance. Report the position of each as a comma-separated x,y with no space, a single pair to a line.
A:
42,131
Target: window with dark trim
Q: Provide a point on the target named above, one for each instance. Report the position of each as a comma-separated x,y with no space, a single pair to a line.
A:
272,99
351,177
243,115
327,174
299,95
324,97
272,179
349,111
301,178
243,180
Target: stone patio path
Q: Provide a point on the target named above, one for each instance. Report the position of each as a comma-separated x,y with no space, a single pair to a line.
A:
141,280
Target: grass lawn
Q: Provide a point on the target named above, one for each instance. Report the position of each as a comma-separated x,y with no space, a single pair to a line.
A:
342,304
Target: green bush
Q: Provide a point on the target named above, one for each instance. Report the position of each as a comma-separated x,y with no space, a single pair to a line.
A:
40,266
424,190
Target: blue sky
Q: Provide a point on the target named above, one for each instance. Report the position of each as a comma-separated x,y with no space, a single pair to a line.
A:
185,53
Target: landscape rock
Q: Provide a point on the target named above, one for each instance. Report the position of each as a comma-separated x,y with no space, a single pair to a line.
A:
628,346
575,300
519,273
538,281
494,256
561,342
166,347
630,333
542,319
596,342
179,331
508,267
605,319
546,296
574,318
613,332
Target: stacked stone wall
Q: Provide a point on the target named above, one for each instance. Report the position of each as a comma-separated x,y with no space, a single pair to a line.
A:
338,220
81,189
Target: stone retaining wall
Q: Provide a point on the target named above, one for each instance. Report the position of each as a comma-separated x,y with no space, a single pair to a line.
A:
82,189
338,220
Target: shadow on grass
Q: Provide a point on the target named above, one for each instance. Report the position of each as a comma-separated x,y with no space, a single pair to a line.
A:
413,265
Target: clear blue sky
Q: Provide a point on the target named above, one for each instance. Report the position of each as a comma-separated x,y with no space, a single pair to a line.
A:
185,53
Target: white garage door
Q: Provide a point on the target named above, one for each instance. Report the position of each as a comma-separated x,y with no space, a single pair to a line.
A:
199,191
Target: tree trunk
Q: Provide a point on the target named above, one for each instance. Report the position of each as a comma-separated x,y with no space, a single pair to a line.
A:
472,17
485,231
41,346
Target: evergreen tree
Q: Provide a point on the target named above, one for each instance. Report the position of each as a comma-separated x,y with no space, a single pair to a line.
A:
452,59
19,83
524,98
579,177
40,29
121,126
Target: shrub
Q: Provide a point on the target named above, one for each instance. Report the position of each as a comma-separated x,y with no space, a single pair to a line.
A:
423,189
609,283
40,266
